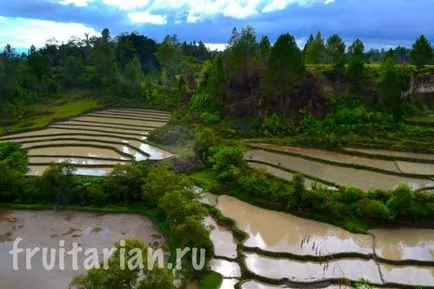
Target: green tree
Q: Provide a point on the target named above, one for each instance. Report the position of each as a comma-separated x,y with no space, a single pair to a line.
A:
133,73
58,183
285,69
125,183
226,161
264,51
163,178
115,277
356,67
401,201
336,53
315,52
169,55
215,87
421,52
308,43
389,88
242,51
11,183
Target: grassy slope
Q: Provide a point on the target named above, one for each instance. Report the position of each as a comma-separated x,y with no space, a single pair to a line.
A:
40,115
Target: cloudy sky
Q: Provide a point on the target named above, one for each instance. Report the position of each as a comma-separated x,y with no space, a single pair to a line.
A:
379,23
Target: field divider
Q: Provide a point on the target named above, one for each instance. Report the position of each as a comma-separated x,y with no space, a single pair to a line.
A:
336,256
74,134
80,157
384,157
131,114
88,166
123,124
316,179
353,165
102,115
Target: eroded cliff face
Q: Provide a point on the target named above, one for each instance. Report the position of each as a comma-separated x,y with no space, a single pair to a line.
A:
422,84
422,88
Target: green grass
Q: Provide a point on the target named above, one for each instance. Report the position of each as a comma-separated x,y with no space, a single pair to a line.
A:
210,281
205,179
40,115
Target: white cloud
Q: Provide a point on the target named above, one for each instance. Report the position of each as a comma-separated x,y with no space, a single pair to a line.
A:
282,4
22,32
147,18
216,46
78,3
127,4
192,11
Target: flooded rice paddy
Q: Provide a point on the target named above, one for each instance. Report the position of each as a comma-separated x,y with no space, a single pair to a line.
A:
345,176
94,140
370,256
47,228
390,153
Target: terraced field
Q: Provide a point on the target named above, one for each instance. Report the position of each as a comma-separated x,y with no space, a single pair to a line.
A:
367,170
310,254
94,142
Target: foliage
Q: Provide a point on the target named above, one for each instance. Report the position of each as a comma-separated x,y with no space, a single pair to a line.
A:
125,182
336,50
315,52
389,89
226,161
162,179
285,69
12,155
116,277
356,67
57,182
421,52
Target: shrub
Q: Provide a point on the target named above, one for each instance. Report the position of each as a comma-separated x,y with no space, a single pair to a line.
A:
372,209
226,161
401,200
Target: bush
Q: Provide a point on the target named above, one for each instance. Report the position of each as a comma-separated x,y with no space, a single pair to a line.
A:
175,135
227,162
401,200
124,183
372,209
11,183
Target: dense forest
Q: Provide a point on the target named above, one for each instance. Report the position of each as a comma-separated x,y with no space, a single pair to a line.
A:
249,78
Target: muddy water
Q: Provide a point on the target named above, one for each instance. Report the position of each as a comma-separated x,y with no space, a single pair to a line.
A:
58,132
285,175
408,275
107,120
222,239
76,151
305,271
258,285
228,283
138,156
394,153
333,156
155,153
35,170
76,161
282,232
416,168
363,179
404,244
47,228
225,268
89,127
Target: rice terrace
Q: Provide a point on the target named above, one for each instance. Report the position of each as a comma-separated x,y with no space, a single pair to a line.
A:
268,159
